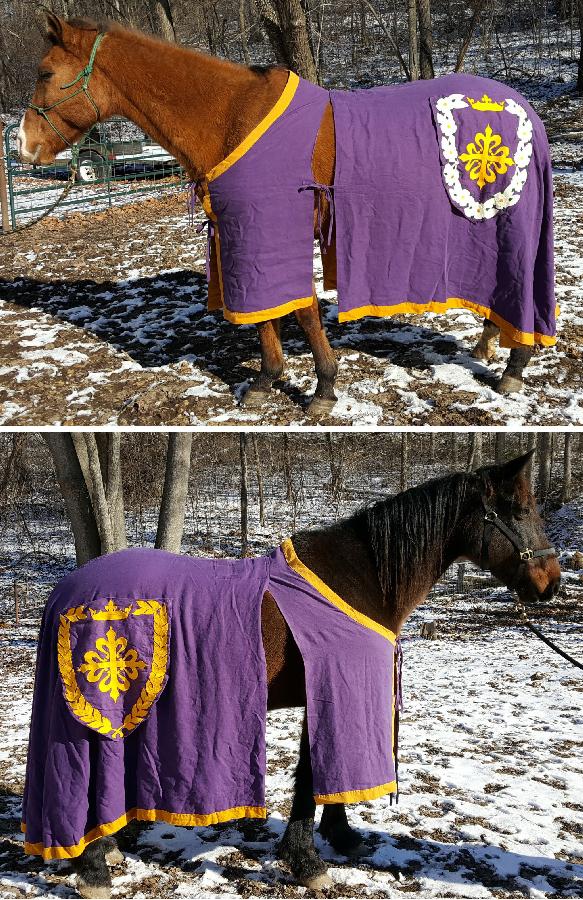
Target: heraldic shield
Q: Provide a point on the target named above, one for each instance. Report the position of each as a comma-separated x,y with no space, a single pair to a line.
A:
486,148
113,660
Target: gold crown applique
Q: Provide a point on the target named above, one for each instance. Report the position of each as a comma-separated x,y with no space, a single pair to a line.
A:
486,104
111,613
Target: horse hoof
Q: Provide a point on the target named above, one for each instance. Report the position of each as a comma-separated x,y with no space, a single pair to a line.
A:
485,354
92,891
253,399
319,406
510,384
360,850
114,857
317,882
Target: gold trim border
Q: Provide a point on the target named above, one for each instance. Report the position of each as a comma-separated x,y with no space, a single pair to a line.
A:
298,566
142,815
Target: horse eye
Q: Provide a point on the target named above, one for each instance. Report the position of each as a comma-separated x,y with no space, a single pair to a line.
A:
45,76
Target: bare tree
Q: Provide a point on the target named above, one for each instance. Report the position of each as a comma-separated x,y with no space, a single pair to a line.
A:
404,460
172,507
75,494
543,449
500,447
580,66
425,38
286,27
243,438
567,467
478,7
163,19
259,475
413,40
475,454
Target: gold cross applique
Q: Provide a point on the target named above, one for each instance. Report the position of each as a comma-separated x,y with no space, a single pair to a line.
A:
111,664
486,157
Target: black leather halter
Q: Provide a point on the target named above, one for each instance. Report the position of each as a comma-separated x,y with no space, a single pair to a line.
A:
491,521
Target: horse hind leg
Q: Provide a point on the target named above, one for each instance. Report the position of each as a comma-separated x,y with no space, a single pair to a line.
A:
297,845
511,381
93,875
335,829
485,349
325,362
271,363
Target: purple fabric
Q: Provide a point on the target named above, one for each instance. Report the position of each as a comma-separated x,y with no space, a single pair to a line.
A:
265,223
199,748
400,235
349,687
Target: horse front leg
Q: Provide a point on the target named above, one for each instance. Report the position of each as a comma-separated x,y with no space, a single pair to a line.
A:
93,875
297,845
485,349
335,829
511,381
271,363
325,362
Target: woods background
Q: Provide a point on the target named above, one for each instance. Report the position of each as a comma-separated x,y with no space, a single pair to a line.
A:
230,494
347,43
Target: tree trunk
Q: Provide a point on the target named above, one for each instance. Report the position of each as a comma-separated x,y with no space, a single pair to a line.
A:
163,20
114,490
75,494
173,505
286,27
473,23
543,444
404,460
287,468
100,508
425,38
500,447
567,467
530,445
413,42
475,456
243,437
259,474
580,68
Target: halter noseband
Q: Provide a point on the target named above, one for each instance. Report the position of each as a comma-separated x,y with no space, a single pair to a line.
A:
84,74
491,521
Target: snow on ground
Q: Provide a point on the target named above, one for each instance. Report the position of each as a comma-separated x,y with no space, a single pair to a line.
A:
491,744
490,775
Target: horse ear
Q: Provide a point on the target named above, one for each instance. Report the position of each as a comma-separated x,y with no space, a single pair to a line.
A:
55,29
504,475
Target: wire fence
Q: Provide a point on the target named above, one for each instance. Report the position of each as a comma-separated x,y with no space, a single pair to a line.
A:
117,162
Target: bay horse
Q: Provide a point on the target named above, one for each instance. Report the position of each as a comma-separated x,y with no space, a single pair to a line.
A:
199,108
383,561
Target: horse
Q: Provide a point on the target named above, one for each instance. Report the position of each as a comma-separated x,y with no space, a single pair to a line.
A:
383,561
200,109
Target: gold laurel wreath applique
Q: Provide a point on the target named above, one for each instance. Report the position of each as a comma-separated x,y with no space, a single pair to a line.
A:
153,686
80,707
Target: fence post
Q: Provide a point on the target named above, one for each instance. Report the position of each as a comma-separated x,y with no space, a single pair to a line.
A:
461,571
16,605
3,183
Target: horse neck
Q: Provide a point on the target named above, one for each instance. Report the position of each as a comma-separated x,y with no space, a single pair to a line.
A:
196,106
343,557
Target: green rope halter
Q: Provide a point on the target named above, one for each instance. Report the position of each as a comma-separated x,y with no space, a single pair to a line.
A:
84,76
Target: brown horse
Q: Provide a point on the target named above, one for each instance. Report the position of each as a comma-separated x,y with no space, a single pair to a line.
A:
200,109
383,561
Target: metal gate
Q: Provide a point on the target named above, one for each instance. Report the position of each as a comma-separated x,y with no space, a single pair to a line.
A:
117,161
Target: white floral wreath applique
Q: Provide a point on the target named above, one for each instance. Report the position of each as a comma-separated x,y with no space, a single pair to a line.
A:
498,163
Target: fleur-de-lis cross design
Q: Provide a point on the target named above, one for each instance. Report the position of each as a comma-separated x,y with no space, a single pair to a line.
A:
486,157
111,664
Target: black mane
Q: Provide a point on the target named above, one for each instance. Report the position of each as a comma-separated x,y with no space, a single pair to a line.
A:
402,528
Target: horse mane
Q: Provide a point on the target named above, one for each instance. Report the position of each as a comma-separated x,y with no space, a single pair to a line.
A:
402,528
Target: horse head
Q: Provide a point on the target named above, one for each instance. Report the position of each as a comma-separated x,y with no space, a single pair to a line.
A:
506,534
70,94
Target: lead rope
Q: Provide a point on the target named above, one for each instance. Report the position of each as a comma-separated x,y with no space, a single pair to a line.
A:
520,609
62,196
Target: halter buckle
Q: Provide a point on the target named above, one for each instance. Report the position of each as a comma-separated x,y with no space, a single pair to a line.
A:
527,554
